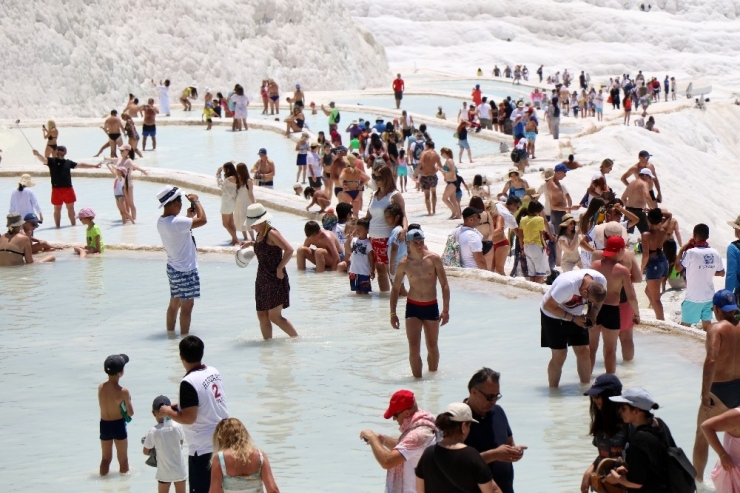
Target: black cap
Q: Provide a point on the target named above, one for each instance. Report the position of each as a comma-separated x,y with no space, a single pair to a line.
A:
160,401
607,381
470,211
114,363
644,154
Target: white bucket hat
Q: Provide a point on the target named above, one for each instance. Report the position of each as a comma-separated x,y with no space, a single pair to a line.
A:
243,256
167,195
257,214
26,180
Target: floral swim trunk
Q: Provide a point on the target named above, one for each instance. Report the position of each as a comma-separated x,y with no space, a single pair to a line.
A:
429,181
380,250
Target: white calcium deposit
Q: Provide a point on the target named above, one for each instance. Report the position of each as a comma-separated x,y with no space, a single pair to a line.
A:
82,57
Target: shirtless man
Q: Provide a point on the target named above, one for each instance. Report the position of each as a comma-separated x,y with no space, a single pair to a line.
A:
556,196
114,127
264,170
424,269
429,164
326,254
720,385
297,99
150,124
635,169
132,107
637,198
608,321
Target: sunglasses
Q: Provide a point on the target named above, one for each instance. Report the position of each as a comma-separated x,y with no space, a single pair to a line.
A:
489,397
376,177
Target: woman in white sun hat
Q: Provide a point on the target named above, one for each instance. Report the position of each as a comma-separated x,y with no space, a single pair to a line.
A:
271,287
23,200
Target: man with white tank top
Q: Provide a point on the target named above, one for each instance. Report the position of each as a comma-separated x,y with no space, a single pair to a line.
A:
202,404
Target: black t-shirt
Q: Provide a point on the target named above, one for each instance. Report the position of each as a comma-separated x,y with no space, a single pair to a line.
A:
492,431
59,171
444,470
646,458
188,395
462,134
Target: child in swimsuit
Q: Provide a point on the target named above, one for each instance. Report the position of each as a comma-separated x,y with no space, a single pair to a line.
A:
118,192
115,411
402,171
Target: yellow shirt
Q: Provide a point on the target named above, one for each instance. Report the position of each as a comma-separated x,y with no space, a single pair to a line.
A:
208,112
532,228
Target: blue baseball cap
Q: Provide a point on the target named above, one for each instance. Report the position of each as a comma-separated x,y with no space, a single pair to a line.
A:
31,217
724,299
263,151
414,234
561,167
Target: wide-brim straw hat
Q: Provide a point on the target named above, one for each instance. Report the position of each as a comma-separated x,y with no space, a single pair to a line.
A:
514,170
257,214
548,174
735,224
26,180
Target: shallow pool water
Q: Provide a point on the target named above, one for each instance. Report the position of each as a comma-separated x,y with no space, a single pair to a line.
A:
303,400
496,90
423,105
98,194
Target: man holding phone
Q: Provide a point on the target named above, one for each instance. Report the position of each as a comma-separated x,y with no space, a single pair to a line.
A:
490,433
563,323
182,259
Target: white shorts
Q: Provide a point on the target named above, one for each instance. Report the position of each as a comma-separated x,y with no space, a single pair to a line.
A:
537,264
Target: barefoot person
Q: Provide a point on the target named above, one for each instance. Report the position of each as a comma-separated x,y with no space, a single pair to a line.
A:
272,287
608,322
115,411
429,164
324,255
149,128
114,128
15,248
424,269
654,263
182,258
62,191
720,383
563,323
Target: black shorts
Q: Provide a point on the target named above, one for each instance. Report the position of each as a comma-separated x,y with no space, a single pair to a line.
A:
199,473
113,430
559,334
642,224
608,317
399,95
423,310
314,182
406,133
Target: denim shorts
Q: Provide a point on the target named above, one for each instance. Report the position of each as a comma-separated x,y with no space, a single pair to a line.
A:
463,144
657,268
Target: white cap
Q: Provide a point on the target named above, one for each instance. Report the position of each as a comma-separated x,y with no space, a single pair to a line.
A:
460,412
647,172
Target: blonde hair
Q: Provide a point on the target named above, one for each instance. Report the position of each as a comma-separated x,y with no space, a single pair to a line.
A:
491,208
51,125
231,434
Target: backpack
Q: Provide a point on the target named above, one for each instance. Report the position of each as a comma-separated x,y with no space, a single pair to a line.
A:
680,471
517,154
555,111
418,149
451,256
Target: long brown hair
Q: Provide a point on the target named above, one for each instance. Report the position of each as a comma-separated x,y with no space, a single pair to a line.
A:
386,180
242,176
229,170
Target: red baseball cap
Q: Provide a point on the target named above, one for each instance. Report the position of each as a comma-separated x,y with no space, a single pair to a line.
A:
613,245
400,401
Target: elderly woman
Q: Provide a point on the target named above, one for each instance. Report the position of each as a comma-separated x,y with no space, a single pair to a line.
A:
23,200
385,195
450,465
15,248
272,287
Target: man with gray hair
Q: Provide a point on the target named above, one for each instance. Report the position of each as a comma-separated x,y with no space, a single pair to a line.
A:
564,324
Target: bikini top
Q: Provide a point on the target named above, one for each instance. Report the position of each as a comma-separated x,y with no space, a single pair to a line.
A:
251,482
8,250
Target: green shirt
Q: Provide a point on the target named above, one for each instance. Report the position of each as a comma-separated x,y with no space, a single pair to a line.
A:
333,116
354,144
91,233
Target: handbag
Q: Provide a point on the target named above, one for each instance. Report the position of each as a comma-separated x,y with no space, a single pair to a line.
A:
602,470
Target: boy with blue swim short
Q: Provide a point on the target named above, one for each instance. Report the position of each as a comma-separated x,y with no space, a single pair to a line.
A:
115,411
701,263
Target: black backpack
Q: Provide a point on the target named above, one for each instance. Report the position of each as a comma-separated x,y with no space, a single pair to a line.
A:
517,154
338,118
418,149
681,473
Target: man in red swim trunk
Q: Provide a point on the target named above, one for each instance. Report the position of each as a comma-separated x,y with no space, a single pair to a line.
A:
61,182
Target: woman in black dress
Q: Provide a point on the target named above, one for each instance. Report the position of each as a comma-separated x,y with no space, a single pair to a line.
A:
271,287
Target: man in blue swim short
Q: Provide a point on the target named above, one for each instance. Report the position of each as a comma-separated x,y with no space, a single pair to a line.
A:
422,309
182,260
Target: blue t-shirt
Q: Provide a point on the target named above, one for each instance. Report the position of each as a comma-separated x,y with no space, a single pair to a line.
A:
393,240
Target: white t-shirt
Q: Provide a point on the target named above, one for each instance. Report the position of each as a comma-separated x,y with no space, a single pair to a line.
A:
412,452
359,261
566,291
517,113
24,202
484,111
471,241
178,242
167,439
339,231
314,162
211,408
701,263
599,101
